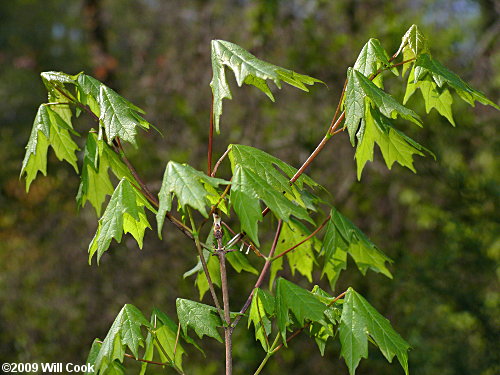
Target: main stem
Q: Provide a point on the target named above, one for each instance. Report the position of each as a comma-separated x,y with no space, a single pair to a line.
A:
227,314
204,263
221,252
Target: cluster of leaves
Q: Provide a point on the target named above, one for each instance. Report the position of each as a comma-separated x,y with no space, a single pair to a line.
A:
369,109
117,120
164,341
258,180
293,308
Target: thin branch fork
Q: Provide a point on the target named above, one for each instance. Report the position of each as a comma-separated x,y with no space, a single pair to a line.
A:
119,150
216,166
129,165
241,235
304,240
262,275
334,125
333,129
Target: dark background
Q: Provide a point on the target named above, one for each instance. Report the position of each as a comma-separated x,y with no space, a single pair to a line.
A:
440,226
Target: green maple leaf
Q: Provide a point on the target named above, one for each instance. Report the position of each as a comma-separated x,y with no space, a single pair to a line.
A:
413,44
276,266
160,316
263,176
304,305
322,330
264,165
358,322
162,337
434,96
189,186
35,159
166,342
124,332
88,92
60,139
115,368
204,319
52,78
247,206
342,235
334,250
371,58
260,314
247,189
441,75
93,353
95,184
119,118
247,69
354,105
124,214
302,258
49,129
360,94
55,83
395,145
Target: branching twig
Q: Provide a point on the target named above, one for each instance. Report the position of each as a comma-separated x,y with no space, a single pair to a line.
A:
304,240
177,338
132,170
338,105
146,192
241,236
221,253
216,166
262,275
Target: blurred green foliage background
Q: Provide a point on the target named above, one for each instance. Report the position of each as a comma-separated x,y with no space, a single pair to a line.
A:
441,226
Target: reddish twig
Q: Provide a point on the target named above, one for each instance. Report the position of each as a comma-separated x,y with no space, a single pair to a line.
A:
221,252
132,170
304,240
218,162
262,275
241,235
339,104
146,192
